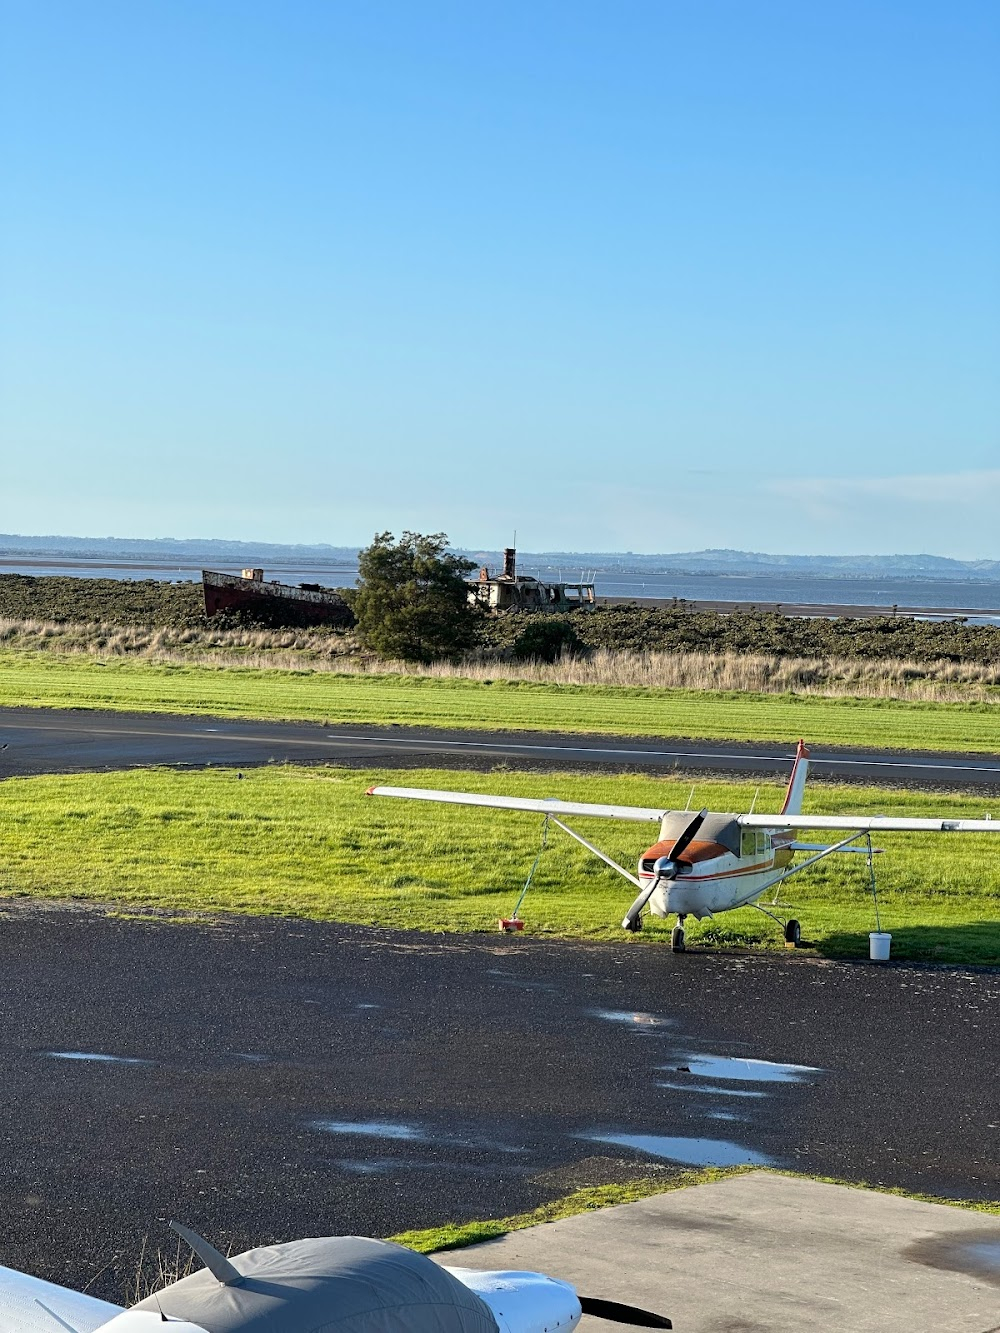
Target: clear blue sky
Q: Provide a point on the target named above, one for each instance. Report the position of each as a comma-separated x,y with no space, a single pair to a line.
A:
642,274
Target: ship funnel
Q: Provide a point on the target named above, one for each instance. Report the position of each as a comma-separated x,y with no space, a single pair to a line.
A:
509,562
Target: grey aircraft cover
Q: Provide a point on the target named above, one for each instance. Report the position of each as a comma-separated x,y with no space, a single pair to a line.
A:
348,1283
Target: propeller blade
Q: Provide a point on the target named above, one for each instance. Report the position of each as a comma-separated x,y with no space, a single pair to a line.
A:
680,845
635,911
622,1314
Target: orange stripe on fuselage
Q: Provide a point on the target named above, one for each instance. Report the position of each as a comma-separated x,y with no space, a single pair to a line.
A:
694,851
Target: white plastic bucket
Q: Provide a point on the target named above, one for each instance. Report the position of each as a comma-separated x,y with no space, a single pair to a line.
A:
878,946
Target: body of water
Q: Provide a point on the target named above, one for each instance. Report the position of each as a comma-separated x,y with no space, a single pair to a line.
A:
751,589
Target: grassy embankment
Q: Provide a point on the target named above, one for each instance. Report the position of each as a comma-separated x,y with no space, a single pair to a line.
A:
58,681
308,842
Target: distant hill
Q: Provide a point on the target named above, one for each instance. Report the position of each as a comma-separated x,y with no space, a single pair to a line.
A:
210,552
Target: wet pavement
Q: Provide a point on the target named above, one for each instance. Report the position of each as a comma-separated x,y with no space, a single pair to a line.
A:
265,1080
764,1253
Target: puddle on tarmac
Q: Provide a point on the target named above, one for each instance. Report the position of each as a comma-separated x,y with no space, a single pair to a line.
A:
742,1069
642,1022
984,1253
711,1088
692,1152
976,1253
98,1058
722,1115
368,1006
252,1058
378,1129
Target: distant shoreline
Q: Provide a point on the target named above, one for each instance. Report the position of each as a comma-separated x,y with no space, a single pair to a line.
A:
806,609
795,604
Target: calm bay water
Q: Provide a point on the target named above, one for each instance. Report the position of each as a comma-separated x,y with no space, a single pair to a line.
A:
943,594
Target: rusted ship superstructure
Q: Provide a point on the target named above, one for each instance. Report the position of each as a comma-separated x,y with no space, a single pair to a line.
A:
273,602
511,591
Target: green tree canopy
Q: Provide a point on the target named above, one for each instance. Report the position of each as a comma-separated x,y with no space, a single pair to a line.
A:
412,601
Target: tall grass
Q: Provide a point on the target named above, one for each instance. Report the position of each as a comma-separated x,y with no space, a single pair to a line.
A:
942,681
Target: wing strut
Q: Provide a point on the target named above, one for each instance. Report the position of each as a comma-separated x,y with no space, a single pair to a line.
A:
601,856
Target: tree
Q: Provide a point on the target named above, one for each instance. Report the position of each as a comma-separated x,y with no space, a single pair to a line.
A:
546,639
412,601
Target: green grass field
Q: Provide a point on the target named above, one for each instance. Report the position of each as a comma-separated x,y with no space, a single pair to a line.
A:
43,681
308,842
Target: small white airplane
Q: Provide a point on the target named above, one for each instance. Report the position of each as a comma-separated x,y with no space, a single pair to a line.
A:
350,1283
708,862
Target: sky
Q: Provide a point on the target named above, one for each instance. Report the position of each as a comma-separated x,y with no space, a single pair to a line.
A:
647,275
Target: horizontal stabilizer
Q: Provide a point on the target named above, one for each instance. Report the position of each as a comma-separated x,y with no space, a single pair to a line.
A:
871,823
545,807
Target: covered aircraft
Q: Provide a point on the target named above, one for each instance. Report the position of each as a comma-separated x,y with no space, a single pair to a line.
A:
350,1283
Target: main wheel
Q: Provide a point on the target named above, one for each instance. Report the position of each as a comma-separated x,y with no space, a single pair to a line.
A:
677,939
793,932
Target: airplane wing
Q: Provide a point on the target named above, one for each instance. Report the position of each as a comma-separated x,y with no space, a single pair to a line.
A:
870,823
544,807
29,1305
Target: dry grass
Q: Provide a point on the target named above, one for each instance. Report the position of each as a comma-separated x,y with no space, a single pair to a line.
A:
940,681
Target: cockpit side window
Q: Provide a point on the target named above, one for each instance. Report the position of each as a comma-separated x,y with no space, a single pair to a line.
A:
755,842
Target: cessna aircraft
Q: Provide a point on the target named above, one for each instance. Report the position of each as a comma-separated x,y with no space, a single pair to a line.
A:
708,862
307,1286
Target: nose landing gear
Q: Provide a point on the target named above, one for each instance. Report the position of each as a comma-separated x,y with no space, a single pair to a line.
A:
677,935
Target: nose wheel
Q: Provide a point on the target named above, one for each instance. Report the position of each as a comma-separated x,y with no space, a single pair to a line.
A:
677,936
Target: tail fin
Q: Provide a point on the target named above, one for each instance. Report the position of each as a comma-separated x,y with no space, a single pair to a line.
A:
797,782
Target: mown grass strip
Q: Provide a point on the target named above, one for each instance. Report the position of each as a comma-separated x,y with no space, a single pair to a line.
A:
308,842
41,681
455,1235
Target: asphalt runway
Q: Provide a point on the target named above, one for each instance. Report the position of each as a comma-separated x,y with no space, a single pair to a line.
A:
50,741
272,1079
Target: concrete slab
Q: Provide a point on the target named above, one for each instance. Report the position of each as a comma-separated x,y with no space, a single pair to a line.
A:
776,1253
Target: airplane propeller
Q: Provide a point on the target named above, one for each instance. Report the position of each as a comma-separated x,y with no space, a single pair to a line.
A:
665,868
622,1314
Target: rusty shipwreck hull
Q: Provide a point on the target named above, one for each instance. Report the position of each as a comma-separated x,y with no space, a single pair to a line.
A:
276,603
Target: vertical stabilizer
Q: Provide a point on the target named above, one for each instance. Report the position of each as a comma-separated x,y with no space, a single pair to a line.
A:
797,782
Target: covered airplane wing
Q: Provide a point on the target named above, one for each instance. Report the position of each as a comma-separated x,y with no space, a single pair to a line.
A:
29,1305
871,823
546,807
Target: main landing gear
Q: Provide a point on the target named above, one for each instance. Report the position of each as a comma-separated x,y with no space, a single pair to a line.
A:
791,928
677,935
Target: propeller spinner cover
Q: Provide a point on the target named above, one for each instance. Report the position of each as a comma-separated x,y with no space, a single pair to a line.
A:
308,1286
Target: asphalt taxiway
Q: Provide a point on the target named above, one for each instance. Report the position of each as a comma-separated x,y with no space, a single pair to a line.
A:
50,741
271,1079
